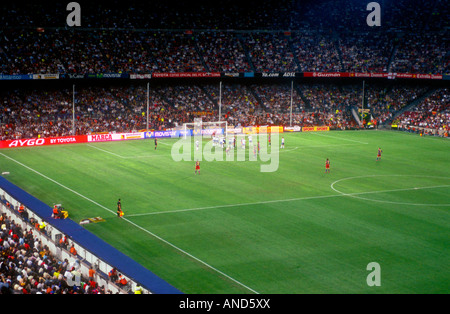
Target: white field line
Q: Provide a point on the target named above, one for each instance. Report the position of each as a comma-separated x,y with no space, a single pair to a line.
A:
342,139
56,182
105,151
120,156
295,199
281,150
356,195
324,146
134,224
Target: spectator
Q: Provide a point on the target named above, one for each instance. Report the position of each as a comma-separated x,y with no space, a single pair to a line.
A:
122,281
27,267
73,251
113,275
91,273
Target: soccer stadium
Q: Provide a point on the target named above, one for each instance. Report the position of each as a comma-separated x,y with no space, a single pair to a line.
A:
225,147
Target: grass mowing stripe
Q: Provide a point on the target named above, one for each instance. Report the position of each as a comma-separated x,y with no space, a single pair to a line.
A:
320,244
56,182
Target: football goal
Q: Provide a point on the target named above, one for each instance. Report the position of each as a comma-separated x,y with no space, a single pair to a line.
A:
205,129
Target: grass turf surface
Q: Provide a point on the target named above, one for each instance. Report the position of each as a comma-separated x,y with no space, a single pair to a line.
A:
234,229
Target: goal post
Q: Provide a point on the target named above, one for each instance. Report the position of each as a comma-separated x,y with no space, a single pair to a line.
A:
205,129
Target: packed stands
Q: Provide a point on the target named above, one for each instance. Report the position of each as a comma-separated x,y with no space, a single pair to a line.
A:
28,267
137,37
325,36
431,114
33,113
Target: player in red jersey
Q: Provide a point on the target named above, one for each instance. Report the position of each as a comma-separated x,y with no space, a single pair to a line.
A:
327,166
379,154
197,167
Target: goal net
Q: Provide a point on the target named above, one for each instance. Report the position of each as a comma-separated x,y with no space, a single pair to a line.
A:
205,129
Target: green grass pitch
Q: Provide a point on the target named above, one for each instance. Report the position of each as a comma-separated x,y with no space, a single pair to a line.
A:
234,229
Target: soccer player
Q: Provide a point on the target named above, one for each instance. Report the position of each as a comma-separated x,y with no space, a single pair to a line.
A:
269,140
119,209
282,142
197,167
379,154
156,143
327,166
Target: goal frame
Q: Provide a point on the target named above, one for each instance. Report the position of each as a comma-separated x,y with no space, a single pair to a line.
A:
193,125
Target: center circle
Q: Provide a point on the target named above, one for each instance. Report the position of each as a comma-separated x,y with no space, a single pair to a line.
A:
360,195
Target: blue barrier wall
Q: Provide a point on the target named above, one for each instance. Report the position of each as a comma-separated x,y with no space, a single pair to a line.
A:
91,242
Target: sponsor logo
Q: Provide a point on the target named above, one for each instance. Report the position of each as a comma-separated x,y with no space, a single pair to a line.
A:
187,74
45,76
315,128
319,74
231,74
26,143
294,128
140,76
429,76
270,74
63,140
100,137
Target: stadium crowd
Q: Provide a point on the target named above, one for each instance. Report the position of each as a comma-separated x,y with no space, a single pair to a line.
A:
366,52
28,267
107,51
433,112
185,39
315,52
169,36
384,102
36,113
223,52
